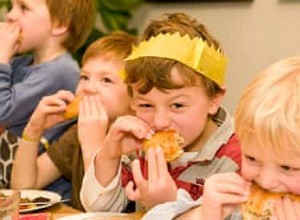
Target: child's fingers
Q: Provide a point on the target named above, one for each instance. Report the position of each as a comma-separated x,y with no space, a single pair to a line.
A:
287,209
161,163
139,180
152,165
131,193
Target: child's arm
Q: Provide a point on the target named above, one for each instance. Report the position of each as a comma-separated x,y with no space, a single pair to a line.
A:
39,170
101,187
92,127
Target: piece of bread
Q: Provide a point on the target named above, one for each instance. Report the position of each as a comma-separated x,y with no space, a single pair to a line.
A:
169,140
260,203
72,109
20,38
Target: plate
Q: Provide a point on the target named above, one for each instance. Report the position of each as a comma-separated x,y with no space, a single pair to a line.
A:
86,216
32,194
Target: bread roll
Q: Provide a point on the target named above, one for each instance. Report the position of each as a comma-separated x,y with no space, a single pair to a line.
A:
72,109
260,203
169,140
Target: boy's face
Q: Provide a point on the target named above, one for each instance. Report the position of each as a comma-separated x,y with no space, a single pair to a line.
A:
100,77
35,23
276,174
185,110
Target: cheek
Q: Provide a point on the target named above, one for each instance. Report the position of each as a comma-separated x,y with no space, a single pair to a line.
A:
293,185
79,89
249,172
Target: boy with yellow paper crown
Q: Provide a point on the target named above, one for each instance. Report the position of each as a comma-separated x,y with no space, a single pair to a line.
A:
176,80
268,126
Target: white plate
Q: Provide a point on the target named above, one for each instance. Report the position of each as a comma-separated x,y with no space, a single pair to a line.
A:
32,194
84,216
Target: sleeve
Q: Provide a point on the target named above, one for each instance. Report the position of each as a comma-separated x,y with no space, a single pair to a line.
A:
170,210
95,197
20,92
63,151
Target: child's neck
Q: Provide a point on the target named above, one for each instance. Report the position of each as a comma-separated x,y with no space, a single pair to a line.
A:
201,140
47,55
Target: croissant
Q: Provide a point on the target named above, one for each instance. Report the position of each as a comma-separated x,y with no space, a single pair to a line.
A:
169,140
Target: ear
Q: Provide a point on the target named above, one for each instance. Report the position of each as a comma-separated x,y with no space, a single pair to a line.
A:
216,102
58,29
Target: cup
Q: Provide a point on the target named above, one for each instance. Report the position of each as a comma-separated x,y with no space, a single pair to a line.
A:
9,204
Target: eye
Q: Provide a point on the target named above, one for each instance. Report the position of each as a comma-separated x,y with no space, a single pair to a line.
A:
83,77
177,105
144,105
251,160
285,168
106,80
23,7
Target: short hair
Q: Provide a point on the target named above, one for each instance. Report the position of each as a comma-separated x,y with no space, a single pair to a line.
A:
77,15
268,110
155,72
117,45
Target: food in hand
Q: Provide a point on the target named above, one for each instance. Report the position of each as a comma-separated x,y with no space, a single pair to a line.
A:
260,203
72,109
20,38
169,140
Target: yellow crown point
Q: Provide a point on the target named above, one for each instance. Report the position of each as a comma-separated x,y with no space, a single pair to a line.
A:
194,53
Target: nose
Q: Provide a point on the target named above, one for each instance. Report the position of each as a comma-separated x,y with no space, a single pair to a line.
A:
161,120
12,15
268,179
90,87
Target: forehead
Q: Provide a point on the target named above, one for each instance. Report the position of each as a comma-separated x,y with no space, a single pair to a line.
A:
263,150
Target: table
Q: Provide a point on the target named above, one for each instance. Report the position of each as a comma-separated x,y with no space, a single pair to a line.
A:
62,210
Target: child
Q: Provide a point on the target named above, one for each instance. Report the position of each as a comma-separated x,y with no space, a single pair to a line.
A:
168,92
267,124
46,33
104,97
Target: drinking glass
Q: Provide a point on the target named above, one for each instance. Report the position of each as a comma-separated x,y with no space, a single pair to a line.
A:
9,204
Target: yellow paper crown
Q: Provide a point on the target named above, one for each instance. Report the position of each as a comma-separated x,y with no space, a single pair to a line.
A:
194,53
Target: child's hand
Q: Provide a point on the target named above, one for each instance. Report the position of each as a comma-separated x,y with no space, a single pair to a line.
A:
92,122
159,188
286,209
9,33
222,193
92,126
49,111
124,136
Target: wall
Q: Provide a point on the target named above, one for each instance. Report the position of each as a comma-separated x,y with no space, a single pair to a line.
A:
253,34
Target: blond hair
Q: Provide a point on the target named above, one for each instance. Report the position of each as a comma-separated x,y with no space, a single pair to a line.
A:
269,109
152,72
117,45
77,15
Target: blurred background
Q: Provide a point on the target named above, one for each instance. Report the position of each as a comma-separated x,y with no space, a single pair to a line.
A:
253,33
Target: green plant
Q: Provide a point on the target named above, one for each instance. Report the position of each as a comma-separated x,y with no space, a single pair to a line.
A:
114,15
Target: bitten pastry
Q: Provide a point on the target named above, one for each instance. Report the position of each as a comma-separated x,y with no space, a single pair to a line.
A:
72,109
169,140
260,203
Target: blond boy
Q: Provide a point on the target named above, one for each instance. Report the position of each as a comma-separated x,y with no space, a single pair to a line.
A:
268,126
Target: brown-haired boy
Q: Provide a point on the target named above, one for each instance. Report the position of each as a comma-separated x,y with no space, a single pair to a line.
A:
176,80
